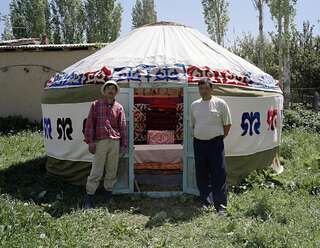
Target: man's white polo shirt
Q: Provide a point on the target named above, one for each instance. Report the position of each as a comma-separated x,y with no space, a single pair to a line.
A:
209,117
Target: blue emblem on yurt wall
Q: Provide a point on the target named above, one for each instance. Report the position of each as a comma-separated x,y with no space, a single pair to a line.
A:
250,122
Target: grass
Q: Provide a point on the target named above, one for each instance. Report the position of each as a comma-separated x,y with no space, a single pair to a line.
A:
264,211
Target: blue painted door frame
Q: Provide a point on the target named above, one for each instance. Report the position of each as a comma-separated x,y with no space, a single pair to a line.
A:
126,98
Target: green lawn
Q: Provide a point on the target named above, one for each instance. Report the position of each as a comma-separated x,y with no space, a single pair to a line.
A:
265,210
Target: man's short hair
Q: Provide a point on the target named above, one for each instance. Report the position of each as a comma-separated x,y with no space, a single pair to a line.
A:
207,81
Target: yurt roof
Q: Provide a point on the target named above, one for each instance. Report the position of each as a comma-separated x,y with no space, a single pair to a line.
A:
164,52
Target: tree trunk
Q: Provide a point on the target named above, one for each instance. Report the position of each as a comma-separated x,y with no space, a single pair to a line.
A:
280,45
219,32
261,35
286,65
286,82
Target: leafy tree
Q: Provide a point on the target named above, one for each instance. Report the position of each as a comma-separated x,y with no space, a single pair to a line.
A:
304,47
103,20
217,19
283,12
29,18
305,57
68,21
143,13
247,48
259,6
7,31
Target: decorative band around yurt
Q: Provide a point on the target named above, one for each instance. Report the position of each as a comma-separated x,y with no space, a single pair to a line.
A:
177,73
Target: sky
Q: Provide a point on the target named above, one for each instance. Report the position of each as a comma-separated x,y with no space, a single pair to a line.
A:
243,16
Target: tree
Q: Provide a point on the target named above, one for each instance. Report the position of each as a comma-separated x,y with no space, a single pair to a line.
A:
217,19
143,13
305,57
103,20
29,18
283,12
247,48
7,31
47,12
55,22
259,5
68,21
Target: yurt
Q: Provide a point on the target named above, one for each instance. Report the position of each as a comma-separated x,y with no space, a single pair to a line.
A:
157,67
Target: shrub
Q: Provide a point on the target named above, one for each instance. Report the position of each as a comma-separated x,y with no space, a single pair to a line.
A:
15,124
302,118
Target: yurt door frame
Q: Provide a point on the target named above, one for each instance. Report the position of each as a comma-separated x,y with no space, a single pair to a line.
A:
125,182
190,94
189,182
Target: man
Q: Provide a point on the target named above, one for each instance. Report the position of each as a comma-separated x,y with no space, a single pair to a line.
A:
105,134
210,123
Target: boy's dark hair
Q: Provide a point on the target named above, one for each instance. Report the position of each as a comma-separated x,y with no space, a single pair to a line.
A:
205,81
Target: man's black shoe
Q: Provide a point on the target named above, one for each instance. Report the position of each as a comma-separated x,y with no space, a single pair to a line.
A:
222,211
107,196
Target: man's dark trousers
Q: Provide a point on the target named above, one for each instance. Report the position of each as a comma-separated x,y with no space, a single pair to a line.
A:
210,167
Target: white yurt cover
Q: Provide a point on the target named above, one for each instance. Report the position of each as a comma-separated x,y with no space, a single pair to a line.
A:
164,53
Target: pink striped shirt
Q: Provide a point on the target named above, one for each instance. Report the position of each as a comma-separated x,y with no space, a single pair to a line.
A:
106,122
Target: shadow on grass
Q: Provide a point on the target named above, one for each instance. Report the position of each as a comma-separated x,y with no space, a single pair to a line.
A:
29,181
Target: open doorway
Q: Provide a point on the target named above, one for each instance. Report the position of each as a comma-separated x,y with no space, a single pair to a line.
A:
158,139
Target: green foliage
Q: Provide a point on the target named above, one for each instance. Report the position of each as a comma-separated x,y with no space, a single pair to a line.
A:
300,155
281,8
143,13
265,210
18,218
30,18
7,30
247,47
15,124
305,57
68,21
300,117
64,21
103,20
216,17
